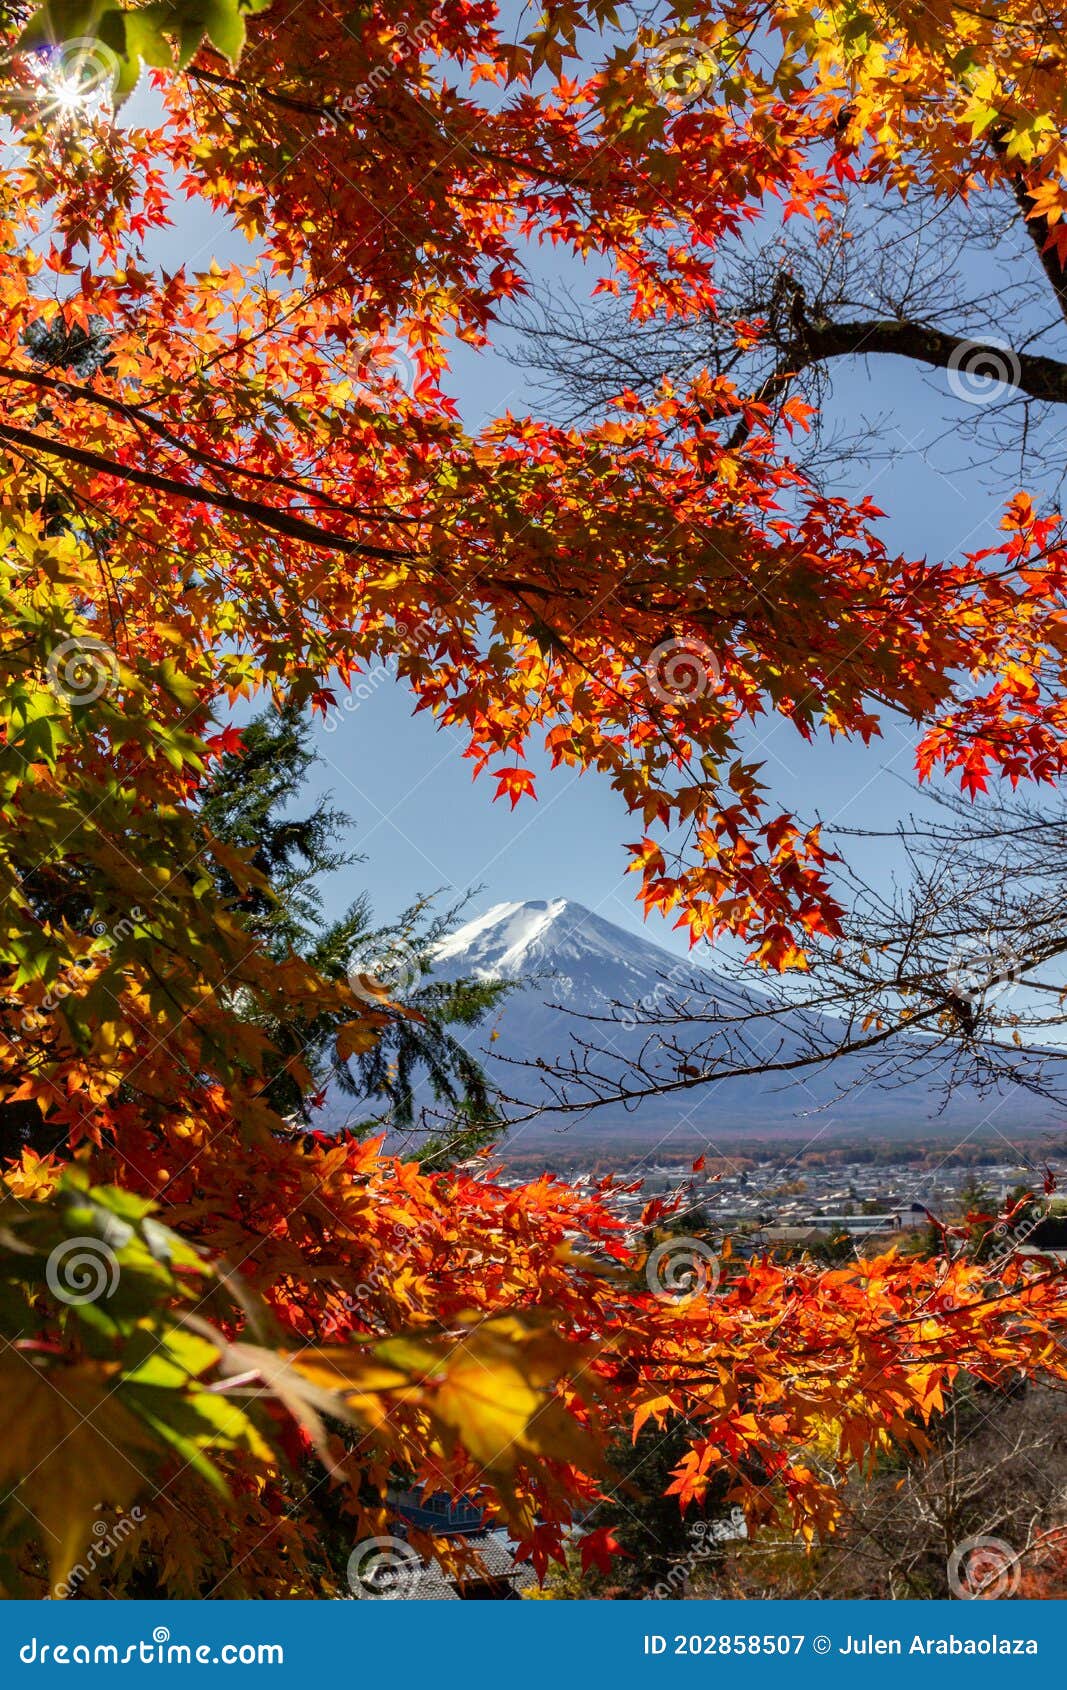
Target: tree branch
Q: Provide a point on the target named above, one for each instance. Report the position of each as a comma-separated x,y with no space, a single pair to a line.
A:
282,522
817,340
1031,373
135,414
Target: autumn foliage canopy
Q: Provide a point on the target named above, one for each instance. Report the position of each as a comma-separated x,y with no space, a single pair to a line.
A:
261,484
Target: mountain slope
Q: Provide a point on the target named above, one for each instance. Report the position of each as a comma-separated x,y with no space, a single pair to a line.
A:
572,961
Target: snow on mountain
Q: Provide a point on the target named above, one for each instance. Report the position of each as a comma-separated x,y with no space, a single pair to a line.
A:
511,941
570,962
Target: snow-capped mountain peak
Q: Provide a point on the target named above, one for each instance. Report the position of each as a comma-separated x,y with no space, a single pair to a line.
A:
579,976
501,943
544,937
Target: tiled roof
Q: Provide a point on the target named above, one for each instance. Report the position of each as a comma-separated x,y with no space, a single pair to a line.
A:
496,1555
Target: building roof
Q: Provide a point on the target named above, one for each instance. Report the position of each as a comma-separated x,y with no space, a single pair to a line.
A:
491,1572
498,1577
793,1234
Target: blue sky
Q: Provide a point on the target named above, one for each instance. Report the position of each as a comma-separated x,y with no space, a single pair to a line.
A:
420,822
423,824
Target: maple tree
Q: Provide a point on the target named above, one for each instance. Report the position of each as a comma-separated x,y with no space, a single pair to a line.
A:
954,287
219,485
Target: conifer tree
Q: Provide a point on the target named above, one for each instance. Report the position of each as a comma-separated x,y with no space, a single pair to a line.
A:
419,1076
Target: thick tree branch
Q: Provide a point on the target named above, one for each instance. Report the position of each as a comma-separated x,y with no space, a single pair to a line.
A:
1037,376
281,522
208,460
816,341
1038,230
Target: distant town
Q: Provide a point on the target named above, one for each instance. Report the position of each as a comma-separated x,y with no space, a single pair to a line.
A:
783,1198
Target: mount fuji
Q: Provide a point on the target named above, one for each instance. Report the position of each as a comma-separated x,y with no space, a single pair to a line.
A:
569,962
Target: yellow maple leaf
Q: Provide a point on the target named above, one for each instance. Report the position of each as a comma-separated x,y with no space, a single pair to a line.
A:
67,1445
